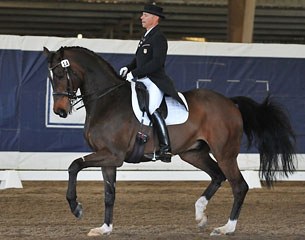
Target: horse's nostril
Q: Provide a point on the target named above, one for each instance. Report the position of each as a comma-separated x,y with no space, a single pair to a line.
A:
62,113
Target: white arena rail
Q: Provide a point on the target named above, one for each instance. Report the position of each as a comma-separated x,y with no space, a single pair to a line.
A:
17,167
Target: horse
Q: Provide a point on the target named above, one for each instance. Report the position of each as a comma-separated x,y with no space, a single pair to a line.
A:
209,140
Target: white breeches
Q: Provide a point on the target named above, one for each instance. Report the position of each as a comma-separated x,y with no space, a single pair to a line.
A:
155,94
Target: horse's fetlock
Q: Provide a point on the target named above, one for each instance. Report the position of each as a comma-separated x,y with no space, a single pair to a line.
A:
72,204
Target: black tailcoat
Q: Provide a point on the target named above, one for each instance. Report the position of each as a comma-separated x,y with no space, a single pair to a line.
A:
149,62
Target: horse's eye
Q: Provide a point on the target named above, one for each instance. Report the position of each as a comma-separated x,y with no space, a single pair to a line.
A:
59,74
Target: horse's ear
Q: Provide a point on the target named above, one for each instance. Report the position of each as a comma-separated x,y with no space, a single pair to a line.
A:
46,51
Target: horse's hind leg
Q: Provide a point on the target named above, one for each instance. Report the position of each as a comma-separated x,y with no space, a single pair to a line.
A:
239,188
217,177
202,160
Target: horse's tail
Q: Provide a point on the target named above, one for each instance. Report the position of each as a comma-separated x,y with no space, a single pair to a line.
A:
267,126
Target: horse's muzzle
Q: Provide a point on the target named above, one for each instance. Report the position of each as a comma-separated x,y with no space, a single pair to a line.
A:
62,113
61,106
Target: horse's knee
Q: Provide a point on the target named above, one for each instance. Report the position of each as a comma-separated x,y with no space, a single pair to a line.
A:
75,166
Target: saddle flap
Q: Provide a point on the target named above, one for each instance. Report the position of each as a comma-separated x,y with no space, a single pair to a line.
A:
143,100
177,114
142,96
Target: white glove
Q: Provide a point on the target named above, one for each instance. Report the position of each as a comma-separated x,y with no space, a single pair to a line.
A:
123,72
129,77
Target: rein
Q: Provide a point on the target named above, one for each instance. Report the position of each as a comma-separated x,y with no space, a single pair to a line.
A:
107,91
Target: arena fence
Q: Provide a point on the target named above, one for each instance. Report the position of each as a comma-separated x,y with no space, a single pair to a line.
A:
37,145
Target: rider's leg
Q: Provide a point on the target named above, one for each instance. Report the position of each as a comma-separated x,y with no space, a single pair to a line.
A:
155,99
164,153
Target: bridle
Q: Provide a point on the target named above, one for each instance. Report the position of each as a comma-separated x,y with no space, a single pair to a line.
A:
70,92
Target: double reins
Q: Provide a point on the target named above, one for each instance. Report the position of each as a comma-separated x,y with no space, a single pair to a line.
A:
70,92
107,91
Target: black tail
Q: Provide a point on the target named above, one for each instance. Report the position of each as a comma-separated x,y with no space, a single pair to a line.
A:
268,127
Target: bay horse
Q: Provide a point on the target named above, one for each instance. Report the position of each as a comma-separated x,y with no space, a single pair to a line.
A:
215,125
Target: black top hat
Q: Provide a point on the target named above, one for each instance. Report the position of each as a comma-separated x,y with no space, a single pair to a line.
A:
153,9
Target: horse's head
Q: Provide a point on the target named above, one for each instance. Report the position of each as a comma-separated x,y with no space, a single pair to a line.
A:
65,76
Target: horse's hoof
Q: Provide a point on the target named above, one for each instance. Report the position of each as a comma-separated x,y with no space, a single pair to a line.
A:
216,232
220,231
202,222
227,229
78,211
103,230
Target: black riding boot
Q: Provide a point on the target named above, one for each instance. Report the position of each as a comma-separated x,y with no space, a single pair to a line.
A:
164,153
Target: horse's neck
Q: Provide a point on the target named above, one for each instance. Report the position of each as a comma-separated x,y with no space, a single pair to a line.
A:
97,85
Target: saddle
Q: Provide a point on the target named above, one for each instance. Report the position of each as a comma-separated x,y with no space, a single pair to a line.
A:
172,111
143,100
137,153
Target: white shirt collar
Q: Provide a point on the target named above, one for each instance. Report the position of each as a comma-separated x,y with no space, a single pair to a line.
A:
148,31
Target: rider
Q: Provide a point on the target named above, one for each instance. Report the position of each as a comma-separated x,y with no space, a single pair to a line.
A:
148,67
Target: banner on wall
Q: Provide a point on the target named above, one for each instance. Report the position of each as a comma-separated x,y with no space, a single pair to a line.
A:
27,121
74,120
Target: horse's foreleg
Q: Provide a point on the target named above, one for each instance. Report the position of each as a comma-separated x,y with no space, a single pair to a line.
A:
98,159
76,207
109,175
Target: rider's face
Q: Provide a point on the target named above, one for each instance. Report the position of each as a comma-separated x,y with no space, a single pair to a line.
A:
149,20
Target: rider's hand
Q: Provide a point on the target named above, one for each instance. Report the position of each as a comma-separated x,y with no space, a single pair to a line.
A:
123,72
129,77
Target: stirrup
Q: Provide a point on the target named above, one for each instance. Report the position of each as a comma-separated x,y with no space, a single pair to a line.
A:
164,156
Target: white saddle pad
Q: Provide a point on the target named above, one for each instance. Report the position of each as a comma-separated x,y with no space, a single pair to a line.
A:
177,113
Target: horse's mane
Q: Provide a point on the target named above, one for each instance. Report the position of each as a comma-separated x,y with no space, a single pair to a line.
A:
98,57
